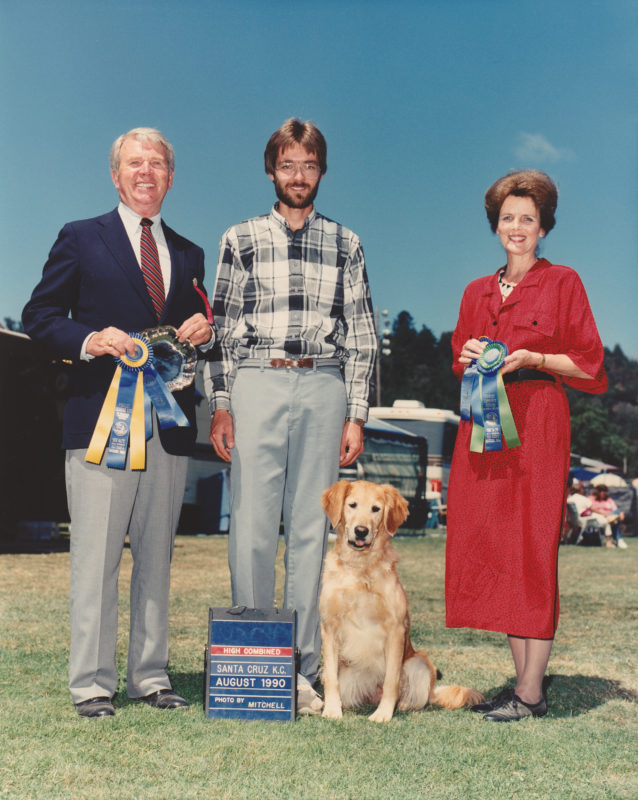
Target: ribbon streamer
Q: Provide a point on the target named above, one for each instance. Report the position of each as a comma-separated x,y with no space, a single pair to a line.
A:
483,396
209,310
126,412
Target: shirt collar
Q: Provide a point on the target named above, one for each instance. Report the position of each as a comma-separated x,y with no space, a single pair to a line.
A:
531,279
132,219
283,223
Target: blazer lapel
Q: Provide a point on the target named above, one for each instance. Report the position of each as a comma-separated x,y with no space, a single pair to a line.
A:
177,264
116,239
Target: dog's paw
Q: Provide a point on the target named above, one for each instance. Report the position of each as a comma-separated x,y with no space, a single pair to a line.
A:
332,711
382,714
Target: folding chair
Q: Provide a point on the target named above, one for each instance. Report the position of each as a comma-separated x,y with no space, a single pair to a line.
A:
592,535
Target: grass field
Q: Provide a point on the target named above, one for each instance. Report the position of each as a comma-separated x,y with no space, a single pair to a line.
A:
584,749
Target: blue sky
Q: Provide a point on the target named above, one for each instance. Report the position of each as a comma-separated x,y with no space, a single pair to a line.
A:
423,104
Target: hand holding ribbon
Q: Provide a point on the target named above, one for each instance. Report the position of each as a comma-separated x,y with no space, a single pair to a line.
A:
196,329
126,412
110,342
483,393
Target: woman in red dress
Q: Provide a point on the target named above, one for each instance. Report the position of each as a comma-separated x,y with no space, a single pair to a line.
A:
506,506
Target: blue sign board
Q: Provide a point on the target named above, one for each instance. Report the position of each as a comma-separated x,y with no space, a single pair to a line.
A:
250,664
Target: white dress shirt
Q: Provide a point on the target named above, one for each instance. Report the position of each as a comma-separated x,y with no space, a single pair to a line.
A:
133,227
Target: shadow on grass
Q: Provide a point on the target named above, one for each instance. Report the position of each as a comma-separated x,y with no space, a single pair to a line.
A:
16,545
190,685
573,695
567,695
23,545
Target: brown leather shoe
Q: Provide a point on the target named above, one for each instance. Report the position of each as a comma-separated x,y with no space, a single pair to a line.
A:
164,698
96,707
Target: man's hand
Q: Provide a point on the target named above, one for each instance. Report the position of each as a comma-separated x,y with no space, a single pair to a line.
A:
351,444
222,433
110,342
196,329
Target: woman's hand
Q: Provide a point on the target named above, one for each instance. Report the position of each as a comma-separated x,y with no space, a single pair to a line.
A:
472,349
521,358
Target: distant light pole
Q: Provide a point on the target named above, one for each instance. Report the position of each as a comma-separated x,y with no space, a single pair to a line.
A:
383,347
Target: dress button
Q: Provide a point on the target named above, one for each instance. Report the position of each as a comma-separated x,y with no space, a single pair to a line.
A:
534,322
495,322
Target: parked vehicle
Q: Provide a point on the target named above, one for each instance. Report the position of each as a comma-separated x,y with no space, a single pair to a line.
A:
438,426
31,460
395,456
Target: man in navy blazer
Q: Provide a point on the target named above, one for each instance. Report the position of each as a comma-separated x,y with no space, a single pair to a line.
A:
92,294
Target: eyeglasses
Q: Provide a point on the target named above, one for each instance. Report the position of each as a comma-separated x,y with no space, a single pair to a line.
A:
309,168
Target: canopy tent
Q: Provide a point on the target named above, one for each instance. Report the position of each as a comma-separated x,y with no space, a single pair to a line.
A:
608,479
582,474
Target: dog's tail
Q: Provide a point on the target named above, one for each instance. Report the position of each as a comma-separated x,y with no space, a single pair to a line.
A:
455,696
419,687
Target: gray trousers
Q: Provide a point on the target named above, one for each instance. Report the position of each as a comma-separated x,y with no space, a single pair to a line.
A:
105,504
288,426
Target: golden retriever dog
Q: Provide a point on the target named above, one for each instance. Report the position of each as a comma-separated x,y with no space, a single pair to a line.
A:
368,657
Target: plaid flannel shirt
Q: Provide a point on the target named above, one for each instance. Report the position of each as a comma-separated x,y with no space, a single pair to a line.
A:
281,293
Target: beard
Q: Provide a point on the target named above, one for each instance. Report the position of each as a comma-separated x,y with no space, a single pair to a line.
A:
296,200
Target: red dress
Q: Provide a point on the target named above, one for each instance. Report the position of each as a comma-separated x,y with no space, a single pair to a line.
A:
505,508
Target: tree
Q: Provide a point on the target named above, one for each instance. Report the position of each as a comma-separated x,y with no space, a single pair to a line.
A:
419,366
13,325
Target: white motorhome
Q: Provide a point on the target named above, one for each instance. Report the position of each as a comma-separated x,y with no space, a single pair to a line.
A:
439,426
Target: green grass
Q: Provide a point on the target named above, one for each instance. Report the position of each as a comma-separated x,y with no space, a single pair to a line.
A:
584,749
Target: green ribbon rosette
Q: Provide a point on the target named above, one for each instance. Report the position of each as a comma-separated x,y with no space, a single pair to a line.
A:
483,392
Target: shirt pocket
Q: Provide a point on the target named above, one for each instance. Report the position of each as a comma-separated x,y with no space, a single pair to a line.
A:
324,288
534,327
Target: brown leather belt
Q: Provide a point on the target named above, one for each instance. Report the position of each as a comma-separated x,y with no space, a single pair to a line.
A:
527,375
289,363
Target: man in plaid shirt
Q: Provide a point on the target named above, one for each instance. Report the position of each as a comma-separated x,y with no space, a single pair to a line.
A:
289,382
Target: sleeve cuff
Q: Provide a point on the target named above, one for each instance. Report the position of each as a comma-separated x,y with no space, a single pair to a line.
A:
357,410
204,348
84,356
219,402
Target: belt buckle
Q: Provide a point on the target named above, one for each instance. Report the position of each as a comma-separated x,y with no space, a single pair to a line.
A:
289,363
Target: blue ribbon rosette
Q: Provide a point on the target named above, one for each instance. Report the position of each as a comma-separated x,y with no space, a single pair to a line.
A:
138,385
483,395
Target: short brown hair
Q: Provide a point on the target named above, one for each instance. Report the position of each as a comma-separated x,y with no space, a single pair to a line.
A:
294,131
523,183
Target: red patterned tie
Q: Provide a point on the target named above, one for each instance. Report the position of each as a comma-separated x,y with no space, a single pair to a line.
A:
151,267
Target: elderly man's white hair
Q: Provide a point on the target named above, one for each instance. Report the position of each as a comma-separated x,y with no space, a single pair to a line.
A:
142,135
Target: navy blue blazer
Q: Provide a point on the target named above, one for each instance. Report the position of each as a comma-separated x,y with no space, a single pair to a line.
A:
93,275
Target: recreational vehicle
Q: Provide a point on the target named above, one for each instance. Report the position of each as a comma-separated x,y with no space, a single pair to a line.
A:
438,426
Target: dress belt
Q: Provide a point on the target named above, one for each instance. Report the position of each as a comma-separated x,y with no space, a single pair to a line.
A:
290,363
527,375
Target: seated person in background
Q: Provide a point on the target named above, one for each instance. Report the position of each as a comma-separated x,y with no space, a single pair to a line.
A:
604,505
586,513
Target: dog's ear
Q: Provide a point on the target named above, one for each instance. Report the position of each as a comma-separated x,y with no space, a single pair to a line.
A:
395,509
333,499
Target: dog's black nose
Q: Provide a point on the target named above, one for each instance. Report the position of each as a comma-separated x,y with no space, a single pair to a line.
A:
361,531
